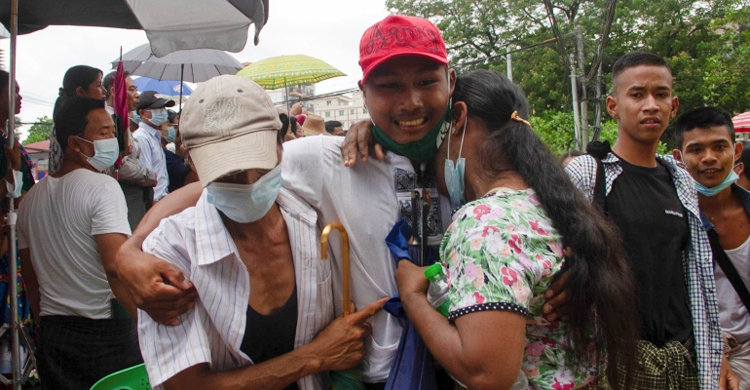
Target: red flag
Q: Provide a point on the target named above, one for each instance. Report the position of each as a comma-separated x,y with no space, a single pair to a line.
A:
120,102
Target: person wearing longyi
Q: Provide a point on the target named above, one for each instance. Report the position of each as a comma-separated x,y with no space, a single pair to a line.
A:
264,316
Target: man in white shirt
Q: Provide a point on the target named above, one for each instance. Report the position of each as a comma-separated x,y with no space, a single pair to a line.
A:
153,112
71,225
705,144
252,251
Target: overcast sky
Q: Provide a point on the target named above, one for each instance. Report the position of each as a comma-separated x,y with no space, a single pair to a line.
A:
325,29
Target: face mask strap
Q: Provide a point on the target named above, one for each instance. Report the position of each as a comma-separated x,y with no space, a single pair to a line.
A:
461,148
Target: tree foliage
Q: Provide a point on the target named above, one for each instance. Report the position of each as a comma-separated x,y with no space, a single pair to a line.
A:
706,43
39,131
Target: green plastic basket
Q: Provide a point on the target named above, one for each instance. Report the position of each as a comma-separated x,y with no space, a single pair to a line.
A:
133,378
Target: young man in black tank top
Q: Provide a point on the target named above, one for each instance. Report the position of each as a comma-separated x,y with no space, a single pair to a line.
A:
705,144
653,202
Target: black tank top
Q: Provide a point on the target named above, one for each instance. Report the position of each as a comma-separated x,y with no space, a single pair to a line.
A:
267,337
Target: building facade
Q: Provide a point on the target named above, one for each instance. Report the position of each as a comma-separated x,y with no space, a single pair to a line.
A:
347,107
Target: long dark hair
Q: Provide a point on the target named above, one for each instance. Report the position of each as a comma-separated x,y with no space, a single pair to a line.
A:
76,76
600,281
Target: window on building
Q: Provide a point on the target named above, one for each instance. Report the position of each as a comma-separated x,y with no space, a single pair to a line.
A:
364,111
328,114
341,112
328,102
351,111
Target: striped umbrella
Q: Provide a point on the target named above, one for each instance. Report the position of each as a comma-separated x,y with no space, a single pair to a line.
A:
287,71
742,123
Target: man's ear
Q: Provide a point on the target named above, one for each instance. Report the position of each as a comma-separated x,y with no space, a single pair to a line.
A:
73,144
80,91
739,168
611,104
737,151
677,155
675,106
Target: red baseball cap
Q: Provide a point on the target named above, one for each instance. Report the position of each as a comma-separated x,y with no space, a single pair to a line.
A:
396,36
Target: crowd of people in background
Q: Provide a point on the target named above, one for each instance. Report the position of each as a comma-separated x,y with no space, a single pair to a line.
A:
195,247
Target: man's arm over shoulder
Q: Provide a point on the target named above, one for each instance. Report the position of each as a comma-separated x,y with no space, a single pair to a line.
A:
582,172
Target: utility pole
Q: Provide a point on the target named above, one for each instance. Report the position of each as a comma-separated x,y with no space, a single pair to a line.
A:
584,92
576,114
508,64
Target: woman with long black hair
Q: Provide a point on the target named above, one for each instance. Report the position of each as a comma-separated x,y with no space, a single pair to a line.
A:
505,247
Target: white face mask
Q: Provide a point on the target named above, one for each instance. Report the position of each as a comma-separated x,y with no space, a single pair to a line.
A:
106,152
245,203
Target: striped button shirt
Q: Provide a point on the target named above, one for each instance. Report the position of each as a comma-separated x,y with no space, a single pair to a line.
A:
197,242
697,258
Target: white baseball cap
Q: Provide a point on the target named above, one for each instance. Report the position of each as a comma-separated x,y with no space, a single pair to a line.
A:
229,125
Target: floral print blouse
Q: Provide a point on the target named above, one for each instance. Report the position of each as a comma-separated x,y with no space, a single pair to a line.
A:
501,253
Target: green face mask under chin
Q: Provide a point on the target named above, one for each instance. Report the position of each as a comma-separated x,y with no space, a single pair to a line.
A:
422,150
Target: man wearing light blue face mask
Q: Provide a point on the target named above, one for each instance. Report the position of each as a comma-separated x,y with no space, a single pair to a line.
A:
153,112
705,144
71,225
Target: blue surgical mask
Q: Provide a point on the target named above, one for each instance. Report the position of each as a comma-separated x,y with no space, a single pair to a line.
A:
136,118
106,152
454,174
171,134
158,116
245,203
703,190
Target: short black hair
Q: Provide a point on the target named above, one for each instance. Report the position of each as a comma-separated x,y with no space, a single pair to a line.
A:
330,125
72,117
109,80
633,59
701,117
745,158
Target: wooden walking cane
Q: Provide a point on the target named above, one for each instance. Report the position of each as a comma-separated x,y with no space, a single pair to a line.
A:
345,254
350,379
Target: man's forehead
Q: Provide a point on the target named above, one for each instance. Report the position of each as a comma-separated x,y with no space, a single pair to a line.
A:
407,64
707,135
642,75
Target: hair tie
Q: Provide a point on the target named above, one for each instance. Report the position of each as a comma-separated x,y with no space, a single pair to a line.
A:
517,118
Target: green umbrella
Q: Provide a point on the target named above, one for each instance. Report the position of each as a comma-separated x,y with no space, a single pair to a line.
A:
286,71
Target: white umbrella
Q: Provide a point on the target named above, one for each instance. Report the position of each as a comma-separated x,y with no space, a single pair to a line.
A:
193,66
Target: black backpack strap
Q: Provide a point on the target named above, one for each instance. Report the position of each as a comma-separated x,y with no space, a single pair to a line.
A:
599,151
726,265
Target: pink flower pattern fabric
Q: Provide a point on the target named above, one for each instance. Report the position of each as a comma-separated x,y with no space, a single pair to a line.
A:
501,253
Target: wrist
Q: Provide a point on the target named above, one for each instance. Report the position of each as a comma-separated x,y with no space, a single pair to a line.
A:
311,362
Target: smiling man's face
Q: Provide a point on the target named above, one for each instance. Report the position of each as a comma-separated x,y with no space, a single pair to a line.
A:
408,96
709,154
642,102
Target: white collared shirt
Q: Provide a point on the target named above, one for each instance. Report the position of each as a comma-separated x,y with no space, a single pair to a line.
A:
152,157
197,242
